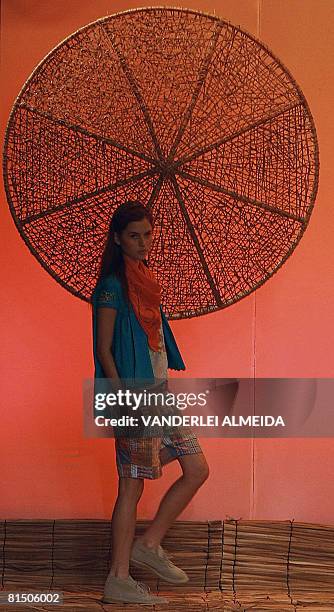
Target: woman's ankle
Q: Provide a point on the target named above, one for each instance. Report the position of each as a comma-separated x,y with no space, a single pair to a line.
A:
121,573
148,542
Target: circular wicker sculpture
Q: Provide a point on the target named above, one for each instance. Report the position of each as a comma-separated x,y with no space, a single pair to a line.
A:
189,114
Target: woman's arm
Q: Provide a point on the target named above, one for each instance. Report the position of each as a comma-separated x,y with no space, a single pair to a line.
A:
105,330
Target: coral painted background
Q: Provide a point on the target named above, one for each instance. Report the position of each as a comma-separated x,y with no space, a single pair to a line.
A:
48,468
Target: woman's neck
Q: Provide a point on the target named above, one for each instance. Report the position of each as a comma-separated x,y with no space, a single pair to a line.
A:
131,260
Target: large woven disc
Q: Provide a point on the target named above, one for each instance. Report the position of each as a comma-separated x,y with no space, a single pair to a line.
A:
185,112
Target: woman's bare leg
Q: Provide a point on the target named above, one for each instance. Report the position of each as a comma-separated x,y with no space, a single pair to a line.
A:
195,472
124,524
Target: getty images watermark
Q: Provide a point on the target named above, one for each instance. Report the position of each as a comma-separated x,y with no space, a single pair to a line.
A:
167,402
210,407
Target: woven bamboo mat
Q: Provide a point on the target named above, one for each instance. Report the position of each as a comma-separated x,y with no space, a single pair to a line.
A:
90,601
232,565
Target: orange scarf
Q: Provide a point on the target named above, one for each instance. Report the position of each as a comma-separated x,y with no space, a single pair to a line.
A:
145,297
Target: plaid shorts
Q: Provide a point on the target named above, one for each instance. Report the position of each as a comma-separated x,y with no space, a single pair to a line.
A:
144,457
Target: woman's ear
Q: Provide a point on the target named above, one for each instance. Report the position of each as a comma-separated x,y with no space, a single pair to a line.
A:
116,238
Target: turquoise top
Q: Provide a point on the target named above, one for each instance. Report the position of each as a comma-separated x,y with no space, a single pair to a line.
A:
130,347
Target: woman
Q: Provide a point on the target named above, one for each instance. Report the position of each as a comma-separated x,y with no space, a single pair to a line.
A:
133,340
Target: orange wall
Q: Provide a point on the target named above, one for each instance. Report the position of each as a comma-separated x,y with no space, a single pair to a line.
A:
48,469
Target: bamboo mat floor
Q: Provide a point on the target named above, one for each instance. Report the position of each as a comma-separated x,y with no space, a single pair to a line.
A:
233,565
247,601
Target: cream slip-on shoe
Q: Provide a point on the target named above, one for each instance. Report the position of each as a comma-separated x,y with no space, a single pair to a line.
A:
128,590
158,562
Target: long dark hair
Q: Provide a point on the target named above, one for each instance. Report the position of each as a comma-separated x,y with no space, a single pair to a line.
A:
112,261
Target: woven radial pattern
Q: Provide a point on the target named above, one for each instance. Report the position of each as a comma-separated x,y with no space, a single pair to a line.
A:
190,115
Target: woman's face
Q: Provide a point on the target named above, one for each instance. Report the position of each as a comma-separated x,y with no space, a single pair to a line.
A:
136,239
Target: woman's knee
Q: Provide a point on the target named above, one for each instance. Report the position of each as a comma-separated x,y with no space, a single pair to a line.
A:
131,487
203,472
195,469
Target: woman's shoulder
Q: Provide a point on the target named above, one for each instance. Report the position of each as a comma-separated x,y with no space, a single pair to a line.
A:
108,285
